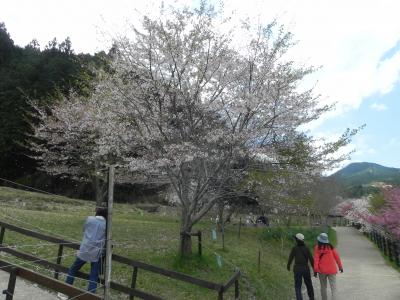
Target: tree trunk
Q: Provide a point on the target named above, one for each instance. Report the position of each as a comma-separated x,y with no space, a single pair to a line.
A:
220,213
98,186
186,244
186,218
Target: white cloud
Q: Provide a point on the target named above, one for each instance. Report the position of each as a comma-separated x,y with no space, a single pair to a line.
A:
378,106
347,38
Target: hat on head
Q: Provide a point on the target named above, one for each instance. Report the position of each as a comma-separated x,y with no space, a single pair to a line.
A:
299,236
323,238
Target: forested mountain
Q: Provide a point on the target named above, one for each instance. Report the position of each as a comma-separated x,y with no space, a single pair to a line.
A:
45,75
363,178
30,73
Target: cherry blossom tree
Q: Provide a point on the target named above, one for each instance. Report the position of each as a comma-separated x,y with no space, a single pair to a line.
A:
389,216
357,211
188,104
66,143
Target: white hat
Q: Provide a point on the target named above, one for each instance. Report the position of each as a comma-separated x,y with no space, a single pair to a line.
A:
299,236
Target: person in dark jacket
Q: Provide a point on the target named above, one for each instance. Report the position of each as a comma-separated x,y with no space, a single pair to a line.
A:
302,256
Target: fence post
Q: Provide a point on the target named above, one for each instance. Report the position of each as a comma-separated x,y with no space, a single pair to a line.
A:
240,226
3,229
133,282
9,292
59,256
221,294
384,245
396,253
236,289
200,244
110,203
378,236
390,252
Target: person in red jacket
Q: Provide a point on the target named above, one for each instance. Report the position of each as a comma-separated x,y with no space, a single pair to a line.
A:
326,264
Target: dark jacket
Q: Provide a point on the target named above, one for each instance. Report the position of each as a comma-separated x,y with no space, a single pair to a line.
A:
301,256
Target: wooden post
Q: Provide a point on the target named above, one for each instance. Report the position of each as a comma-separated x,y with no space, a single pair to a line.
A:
59,256
221,295
133,282
107,279
9,292
236,289
384,245
223,234
390,248
240,226
396,253
199,244
3,229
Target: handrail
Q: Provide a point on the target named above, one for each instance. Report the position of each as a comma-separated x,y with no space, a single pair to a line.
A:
132,291
48,282
40,236
172,274
232,280
79,274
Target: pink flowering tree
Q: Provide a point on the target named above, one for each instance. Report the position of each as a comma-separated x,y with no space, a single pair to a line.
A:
357,211
389,216
188,104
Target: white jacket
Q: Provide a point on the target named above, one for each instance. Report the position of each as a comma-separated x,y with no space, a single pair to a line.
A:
94,237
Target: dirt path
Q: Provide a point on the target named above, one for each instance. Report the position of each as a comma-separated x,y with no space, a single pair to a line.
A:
24,290
366,275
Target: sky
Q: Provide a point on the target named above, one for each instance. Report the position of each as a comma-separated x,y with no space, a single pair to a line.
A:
355,43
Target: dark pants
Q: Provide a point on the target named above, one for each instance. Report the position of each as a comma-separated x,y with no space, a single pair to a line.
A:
93,276
298,280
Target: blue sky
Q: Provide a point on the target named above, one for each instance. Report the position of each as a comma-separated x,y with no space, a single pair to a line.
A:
356,43
379,141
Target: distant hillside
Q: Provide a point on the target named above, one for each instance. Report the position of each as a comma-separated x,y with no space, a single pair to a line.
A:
364,173
360,179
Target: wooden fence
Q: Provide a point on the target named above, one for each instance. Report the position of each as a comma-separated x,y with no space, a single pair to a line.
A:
57,266
337,221
389,247
48,282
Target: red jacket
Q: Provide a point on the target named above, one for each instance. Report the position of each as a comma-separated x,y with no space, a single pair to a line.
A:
325,260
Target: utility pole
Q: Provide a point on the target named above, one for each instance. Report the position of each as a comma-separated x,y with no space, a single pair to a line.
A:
110,201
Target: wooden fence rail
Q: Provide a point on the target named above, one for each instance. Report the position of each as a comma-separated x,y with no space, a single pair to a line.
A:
57,266
53,284
389,247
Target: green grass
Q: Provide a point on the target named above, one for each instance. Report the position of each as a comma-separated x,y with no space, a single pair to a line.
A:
153,238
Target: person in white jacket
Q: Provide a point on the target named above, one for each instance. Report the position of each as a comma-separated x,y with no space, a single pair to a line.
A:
91,249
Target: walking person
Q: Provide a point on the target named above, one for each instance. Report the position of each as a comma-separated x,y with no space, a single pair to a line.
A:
326,264
91,249
302,256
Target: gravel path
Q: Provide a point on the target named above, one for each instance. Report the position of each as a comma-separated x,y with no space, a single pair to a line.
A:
366,275
24,290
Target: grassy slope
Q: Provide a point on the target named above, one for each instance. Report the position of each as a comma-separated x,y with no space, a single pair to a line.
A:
153,238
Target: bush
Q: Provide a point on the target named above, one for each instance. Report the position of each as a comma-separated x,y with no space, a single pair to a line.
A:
287,233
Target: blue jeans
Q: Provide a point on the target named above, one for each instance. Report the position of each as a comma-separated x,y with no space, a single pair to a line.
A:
93,276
